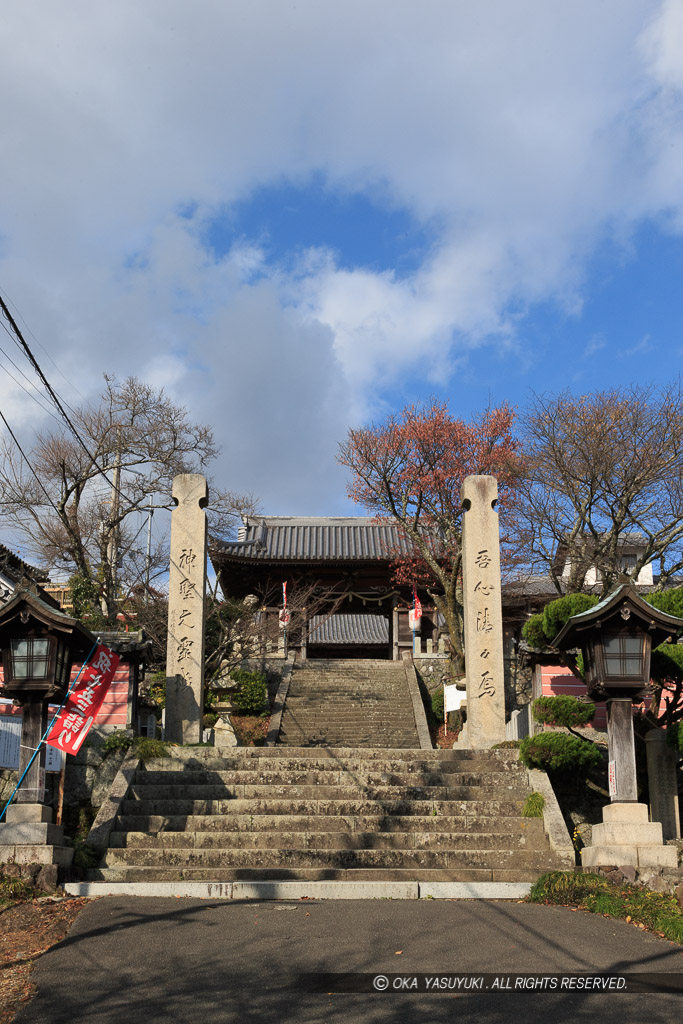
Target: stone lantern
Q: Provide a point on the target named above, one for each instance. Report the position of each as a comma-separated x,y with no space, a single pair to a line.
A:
616,638
39,643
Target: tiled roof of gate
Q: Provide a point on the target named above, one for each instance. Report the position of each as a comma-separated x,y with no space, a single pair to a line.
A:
314,539
348,629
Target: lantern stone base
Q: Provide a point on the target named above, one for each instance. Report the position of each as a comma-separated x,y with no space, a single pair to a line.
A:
626,836
224,733
29,837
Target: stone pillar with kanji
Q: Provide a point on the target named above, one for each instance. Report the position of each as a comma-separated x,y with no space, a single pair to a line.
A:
186,611
483,613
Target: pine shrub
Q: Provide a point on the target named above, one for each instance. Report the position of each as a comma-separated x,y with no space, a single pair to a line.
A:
559,753
563,710
558,612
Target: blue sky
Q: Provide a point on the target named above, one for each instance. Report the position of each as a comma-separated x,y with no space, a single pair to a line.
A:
298,219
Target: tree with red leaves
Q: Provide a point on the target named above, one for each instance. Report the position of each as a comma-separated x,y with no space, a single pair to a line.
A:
410,469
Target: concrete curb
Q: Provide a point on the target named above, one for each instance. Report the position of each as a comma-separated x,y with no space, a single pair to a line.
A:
553,822
274,890
279,706
418,707
102,826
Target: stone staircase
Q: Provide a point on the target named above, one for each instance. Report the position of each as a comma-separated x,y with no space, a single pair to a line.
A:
353,703
272,813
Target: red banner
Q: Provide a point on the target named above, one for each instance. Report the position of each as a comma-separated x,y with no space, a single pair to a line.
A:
74,720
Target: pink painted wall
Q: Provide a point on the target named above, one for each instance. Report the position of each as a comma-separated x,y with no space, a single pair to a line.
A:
556,680
114,710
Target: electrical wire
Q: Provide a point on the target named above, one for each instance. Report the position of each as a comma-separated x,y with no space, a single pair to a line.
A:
26,460
29,382
38,342
56,400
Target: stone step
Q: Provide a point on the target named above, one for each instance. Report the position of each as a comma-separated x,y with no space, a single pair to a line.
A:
341,755
339,812
274,759
360,702
263,823
380,793
532,840
189,857
218,875
321,739
329,776
508,808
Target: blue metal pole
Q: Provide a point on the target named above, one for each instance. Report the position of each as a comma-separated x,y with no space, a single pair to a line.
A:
54,719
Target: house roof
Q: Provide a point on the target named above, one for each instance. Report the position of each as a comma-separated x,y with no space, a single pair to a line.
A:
312,539
348,629
14,567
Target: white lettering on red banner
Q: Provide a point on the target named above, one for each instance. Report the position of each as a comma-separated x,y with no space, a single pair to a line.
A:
85,700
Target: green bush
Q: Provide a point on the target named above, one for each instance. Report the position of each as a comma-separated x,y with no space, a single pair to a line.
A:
559,753
149,749
85,857
563,710
666,662
670,601
119,740
534,633
437,699
157,689
655,910
16,890
541,629
533,806
557,612
145,747
506,745
252,695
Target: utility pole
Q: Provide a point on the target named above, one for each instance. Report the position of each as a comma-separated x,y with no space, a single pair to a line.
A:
113,541
149,553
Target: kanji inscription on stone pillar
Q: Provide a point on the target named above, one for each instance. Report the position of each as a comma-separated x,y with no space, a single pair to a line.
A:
187,584
483,612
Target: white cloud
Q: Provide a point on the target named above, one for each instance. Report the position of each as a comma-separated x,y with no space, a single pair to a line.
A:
521,133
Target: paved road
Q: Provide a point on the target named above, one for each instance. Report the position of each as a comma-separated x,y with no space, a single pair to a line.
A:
131,959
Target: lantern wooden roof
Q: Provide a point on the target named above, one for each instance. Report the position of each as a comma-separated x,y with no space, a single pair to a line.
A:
26,605
623,605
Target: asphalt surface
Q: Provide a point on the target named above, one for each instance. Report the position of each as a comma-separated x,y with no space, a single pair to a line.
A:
130,959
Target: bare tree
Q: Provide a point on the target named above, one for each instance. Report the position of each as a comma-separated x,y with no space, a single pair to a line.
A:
239,630
409,470
76,513
599,472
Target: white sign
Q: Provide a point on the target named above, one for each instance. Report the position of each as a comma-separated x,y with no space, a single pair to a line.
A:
453,698
10,741
612,778
284,619
10,744
414,620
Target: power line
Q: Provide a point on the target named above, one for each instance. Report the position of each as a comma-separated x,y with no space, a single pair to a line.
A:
39,342
55,397
48,387
29,382
26,460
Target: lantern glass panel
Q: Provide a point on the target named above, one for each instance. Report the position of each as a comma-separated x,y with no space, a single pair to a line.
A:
62,665
30,658
623,656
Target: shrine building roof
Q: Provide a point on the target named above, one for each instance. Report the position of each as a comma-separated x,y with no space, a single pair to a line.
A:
314,539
